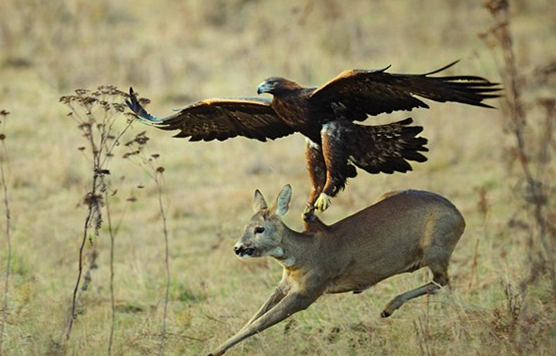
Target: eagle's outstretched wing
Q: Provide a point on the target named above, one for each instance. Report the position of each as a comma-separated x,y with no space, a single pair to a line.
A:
219,119
371,92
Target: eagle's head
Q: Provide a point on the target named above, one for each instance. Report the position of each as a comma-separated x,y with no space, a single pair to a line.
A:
276,85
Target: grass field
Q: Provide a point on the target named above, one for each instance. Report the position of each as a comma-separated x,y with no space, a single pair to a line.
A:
177,52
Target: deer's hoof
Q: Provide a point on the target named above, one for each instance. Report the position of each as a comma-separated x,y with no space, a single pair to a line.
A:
323,202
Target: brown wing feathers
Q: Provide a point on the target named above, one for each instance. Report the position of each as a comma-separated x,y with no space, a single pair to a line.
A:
374,92
219,119
386,148
469,90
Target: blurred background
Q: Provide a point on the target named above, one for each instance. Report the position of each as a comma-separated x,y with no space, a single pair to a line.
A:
178,52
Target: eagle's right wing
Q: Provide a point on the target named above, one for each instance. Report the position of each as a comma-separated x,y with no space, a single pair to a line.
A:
218,119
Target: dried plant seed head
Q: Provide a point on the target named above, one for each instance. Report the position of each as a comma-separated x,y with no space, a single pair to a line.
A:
160,170
144,101
119,107
102,171
81,92
141,138
98,223
89,100
92,200
548,103
130,154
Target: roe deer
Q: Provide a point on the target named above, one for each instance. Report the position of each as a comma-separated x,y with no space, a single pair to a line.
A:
402,232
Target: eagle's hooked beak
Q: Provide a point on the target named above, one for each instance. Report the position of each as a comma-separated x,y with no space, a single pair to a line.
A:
264,87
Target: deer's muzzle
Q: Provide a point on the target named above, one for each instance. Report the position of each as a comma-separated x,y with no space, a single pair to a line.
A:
242,251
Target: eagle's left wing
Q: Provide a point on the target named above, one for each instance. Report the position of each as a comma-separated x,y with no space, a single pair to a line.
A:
359,93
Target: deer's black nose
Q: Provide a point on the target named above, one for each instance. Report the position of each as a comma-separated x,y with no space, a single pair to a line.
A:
243,251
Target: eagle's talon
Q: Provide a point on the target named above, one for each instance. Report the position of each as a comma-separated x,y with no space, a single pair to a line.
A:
309,213
323,202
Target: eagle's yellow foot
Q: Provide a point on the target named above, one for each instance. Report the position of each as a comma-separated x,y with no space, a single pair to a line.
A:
323,202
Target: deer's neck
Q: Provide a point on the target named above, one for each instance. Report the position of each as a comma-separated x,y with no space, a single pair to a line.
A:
294,245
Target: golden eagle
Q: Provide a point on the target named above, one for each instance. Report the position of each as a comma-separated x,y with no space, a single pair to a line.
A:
327,117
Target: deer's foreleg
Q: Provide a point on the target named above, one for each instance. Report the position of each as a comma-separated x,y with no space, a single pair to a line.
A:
277,295
290,304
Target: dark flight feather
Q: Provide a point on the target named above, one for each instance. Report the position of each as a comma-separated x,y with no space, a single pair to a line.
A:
386,148
219,119
372,92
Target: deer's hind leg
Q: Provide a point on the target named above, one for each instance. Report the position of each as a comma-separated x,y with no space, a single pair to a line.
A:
440,279
437,257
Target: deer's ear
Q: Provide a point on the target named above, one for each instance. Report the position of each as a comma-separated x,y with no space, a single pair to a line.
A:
258,202
283,200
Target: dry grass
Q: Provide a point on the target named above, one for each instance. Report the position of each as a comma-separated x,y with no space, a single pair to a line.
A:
177,52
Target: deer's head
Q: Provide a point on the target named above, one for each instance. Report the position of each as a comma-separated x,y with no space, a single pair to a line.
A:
263,233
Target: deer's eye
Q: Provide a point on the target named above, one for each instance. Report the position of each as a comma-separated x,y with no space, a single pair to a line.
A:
259,230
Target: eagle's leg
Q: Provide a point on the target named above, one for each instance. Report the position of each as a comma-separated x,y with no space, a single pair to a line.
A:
337,167
317,174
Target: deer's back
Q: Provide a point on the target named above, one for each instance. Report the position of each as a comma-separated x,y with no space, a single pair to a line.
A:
389,237
397,212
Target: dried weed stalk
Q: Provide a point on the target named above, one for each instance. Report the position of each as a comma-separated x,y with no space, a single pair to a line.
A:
95,113
424,334
137,154
4,182
534,143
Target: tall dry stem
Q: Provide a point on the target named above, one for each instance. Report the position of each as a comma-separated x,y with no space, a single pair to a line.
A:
532,150
137,154
4,182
